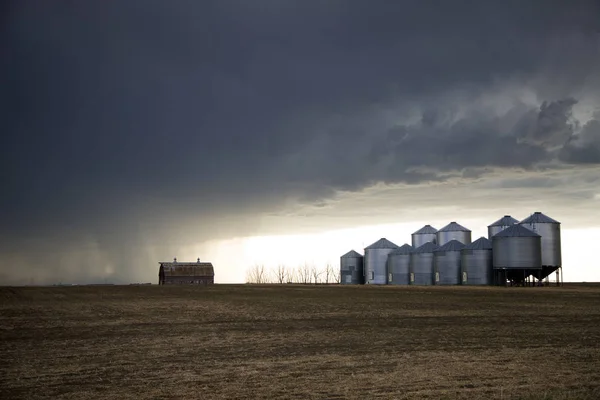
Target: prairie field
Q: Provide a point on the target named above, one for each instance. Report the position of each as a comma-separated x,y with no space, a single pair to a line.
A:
300,342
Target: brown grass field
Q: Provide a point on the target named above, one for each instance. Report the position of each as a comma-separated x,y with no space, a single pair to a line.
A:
300,342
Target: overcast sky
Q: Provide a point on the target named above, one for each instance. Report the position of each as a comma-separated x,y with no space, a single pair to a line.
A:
134,131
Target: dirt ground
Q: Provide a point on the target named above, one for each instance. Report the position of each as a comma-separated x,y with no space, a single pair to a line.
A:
300,342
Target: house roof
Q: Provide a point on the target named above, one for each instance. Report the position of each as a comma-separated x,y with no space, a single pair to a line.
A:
187,269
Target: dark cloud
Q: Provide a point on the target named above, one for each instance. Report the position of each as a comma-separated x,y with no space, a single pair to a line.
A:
584,148
137,125
554,125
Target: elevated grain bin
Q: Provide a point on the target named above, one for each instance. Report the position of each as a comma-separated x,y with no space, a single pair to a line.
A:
453,231
398,265
421,264
446,263
517,247
376,259
424,235
501,225
549,230
476,263
352,268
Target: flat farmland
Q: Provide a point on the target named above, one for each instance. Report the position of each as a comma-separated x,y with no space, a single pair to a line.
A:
300,342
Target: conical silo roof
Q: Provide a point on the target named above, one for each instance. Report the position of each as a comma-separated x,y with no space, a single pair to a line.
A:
453,227
507,220
382,243
453,245
425,230
516,230
539,218
352,254
404,249
480,244
428,247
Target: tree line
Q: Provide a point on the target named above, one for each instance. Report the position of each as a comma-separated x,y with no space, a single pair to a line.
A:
303,274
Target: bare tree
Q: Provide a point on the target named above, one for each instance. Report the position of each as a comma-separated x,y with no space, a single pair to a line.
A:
257,274
316,274
292,275
329,273
304,274
280,273
337,276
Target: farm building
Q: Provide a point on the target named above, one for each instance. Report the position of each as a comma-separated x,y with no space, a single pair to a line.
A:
515,253
186,273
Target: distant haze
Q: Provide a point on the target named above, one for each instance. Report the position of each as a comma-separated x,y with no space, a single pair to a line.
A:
134,132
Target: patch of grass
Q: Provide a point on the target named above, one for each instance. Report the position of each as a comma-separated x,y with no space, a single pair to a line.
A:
300,342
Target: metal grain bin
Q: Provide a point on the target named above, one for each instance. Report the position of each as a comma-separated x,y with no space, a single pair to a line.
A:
446,263
476,263
424,235
501,225
376,259
549,230
398,265
421,265
453,231
517,247
352,268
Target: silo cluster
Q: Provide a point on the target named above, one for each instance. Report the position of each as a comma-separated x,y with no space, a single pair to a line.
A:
516,253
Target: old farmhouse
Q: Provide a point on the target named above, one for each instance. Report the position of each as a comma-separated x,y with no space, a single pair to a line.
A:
186,273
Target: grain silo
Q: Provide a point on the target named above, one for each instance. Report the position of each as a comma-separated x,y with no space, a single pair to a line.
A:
351,268
476,263
500,225
453,231
517,253
376,259
446,263
424,235
398,265
549,230
421,264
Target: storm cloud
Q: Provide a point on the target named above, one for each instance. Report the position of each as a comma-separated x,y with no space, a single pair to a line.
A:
139,125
